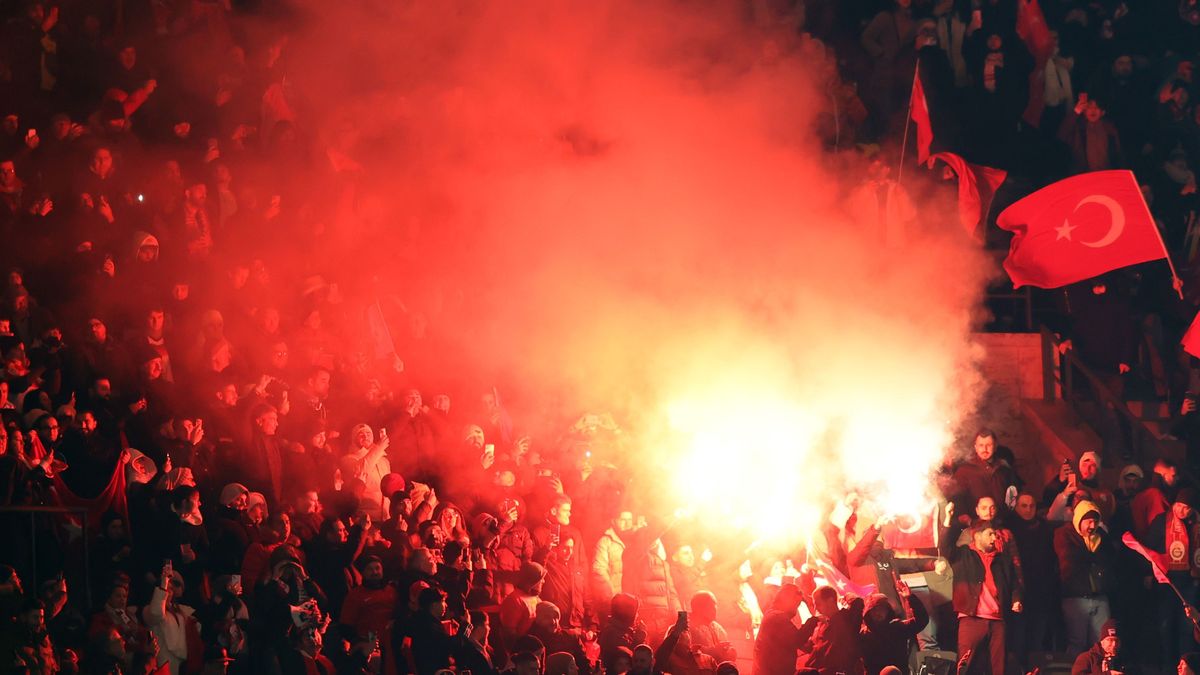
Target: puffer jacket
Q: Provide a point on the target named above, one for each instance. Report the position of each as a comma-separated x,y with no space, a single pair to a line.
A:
607,566
1083,572
651,577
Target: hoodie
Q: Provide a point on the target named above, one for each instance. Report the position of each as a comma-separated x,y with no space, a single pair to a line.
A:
1085,567
884,641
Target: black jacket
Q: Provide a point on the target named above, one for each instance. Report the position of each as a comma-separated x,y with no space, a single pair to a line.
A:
1083,573
969,575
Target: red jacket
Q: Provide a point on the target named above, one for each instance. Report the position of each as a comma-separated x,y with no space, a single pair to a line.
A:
368,610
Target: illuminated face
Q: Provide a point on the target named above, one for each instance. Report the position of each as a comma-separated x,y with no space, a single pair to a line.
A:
686,556
119,598
1167,473
50,427
339,533
365,437
228,395
309,502
102,162
180,291
373,571
98,330
268,422
985,447
1110,644
1088,468
562,514
8,173
153,368
1087,526
1026,507
1093,112
320,384
985,540
474,436
985,508
624,521
103,388
1130,483
643,660
60,128
155,319
1182,511
222,357
87,422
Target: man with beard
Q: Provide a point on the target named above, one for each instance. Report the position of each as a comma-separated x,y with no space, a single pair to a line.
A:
1086,564
25,645
1104,656
1087,478
547,628
986,587
368,608
984,474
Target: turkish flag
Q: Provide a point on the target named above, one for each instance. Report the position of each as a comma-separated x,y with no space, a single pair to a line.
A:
976,187
920,116
1078,228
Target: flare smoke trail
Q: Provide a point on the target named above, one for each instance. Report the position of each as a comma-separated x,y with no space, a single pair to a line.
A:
636,191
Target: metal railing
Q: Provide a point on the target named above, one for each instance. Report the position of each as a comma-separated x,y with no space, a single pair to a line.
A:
35,530
1062,376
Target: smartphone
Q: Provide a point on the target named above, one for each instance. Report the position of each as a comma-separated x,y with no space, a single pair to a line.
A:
489,449
448,626
682,619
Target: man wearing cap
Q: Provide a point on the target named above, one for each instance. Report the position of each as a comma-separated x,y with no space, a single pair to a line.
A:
1129,484
369,607
1086,479
1175,534
520,607
1104,656
227,531
1086,562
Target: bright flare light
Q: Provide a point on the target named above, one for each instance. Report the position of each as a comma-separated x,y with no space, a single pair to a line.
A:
769,465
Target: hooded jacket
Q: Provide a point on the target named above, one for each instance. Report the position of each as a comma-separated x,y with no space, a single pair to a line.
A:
884,642
1085,569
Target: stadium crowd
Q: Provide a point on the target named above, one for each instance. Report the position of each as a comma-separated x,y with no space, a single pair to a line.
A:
238,471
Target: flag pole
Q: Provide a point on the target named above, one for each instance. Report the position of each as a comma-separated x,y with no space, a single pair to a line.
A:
1176,282
907,122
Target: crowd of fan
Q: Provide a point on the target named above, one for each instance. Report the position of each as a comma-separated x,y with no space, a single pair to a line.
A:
251,483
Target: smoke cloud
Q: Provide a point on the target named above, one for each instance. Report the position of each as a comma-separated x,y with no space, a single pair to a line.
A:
634,198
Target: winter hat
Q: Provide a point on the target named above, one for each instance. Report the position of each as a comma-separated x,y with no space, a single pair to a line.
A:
415,590
231,492
254,499
357,429
391,484
1133,470
529,575
625,607
1109,629
559,663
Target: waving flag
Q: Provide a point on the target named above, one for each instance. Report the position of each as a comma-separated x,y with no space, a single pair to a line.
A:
1079,228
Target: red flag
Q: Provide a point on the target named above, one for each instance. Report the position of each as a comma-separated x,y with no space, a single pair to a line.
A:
1078,228
920,117
1032,29
1191,339
976,187
1155,559
912,531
